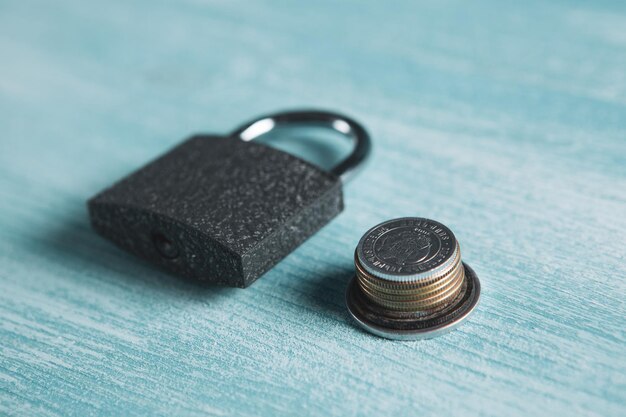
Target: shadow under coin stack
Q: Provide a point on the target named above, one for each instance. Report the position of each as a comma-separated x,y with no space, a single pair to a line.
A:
410,281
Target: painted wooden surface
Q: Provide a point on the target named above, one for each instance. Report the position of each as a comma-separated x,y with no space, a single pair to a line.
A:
504,120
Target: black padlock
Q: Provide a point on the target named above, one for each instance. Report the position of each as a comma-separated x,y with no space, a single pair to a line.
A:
224,209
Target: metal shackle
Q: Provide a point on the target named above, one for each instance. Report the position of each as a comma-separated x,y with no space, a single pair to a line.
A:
348,127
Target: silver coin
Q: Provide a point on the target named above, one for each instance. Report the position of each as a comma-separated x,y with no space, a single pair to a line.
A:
409,248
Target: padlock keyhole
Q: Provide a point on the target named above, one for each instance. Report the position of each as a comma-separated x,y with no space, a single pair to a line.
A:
164,246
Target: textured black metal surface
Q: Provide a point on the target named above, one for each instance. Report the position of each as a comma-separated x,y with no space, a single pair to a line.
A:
217,209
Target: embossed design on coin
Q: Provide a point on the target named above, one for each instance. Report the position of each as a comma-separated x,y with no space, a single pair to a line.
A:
405,247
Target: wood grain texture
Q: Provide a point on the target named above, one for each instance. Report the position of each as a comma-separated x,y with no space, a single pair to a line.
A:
504,120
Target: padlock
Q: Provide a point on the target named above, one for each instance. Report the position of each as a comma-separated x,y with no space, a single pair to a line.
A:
223,209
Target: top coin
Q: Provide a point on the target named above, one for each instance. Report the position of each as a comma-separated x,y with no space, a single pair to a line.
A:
407,249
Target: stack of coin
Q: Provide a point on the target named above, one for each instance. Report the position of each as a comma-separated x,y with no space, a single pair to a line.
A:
410,265
409,274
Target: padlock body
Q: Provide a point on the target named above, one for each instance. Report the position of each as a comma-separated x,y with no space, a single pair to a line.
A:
217,209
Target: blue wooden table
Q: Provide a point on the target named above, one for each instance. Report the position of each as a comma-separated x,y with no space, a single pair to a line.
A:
504,120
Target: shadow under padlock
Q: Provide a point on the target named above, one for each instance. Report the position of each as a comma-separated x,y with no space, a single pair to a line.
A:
225,209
